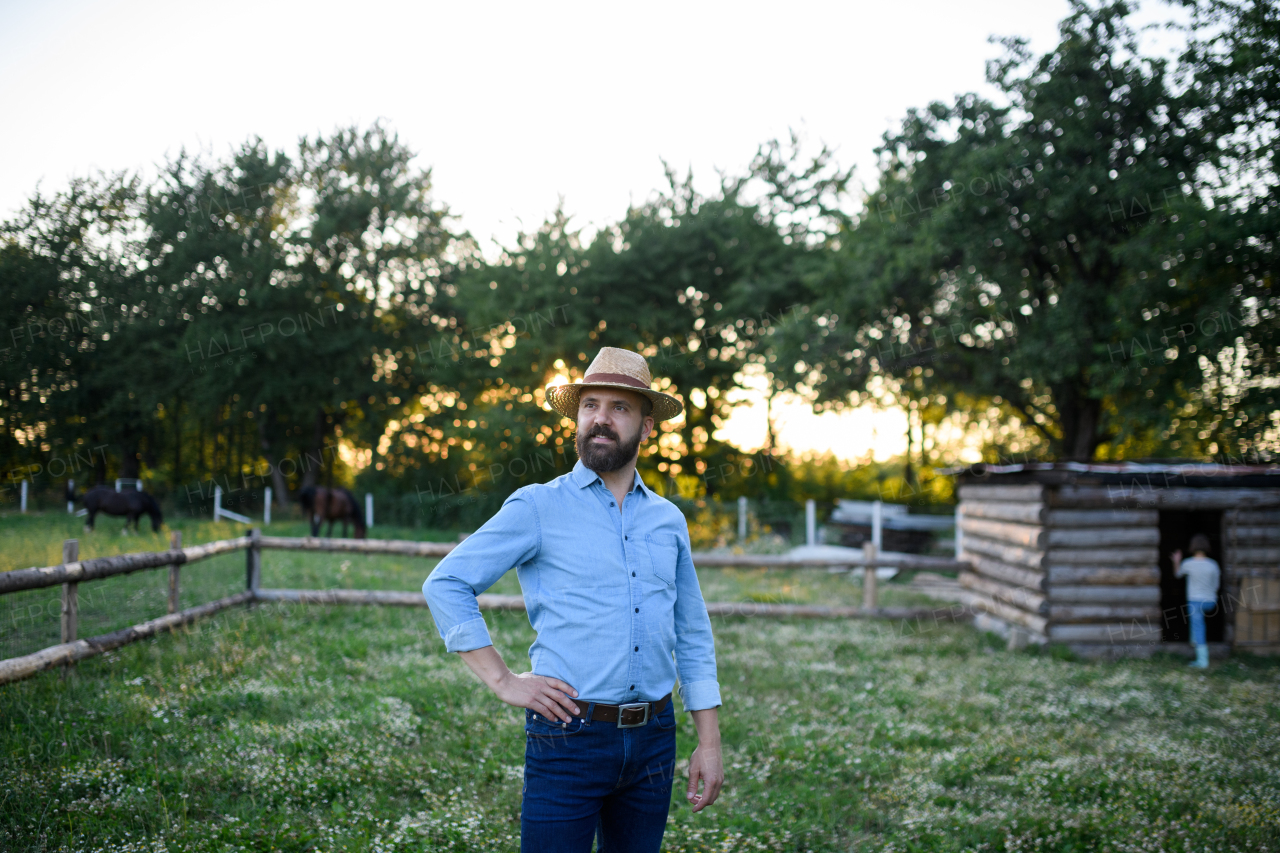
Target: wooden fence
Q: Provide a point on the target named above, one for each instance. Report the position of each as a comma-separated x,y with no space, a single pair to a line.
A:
73,571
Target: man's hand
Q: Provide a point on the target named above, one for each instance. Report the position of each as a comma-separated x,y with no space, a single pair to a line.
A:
538,693
548,696
705,764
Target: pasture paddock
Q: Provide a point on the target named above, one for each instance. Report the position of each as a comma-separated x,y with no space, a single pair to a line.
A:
312,728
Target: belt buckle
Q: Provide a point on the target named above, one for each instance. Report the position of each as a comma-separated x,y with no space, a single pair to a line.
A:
633,706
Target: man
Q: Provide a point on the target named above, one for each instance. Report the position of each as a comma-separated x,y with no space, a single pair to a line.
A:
608,581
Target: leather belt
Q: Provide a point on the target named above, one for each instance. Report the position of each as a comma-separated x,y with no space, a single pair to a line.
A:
629,714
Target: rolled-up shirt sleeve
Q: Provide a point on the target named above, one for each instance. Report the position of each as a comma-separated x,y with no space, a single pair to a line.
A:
507,540
695,647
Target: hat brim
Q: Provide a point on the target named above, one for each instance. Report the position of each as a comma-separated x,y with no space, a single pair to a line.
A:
564,399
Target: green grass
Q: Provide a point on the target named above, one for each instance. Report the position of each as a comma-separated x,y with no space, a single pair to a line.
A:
311,728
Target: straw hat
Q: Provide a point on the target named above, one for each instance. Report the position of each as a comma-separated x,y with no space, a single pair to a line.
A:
614,368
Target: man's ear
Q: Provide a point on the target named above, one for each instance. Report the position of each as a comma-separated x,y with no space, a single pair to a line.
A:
646,428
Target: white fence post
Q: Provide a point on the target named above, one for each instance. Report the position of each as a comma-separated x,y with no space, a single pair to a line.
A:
24,495
220,513
71,504
959,532
266,507
742,518
870,553
368,509
810,522
877,536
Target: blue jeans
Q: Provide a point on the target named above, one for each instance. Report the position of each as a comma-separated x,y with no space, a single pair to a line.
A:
588,779
1197,610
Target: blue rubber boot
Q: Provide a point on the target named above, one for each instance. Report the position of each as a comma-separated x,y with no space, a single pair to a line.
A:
1202,657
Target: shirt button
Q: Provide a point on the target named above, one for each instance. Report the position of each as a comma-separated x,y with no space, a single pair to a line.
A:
626,537
637,648
637,609
633,687
633,574
611,503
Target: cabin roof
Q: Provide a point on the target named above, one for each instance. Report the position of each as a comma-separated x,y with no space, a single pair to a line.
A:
1153,474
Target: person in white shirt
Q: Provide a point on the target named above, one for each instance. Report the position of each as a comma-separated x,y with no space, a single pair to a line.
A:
1202,576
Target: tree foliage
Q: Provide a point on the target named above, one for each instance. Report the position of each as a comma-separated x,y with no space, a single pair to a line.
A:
1062,254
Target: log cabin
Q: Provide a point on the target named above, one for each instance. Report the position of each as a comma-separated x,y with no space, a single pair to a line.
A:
1080,554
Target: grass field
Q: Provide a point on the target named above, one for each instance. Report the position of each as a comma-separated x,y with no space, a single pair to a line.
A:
310,728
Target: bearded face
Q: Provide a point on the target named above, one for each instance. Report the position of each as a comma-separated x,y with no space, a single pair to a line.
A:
605,456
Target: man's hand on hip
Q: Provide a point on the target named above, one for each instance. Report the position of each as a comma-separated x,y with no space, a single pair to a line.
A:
550,697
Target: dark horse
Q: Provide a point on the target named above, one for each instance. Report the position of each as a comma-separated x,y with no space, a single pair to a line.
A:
334,504
130,504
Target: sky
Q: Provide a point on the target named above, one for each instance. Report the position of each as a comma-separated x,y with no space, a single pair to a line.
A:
516,107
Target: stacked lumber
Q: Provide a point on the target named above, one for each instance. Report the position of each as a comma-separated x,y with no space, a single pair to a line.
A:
1067,570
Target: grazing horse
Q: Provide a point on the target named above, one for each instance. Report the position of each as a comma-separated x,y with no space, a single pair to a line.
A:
334,504
130,504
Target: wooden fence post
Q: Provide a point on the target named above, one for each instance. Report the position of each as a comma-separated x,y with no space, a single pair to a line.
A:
175,544
869,555
70,599
253,562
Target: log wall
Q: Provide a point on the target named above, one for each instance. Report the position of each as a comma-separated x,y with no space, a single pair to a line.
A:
1080,564
1075,570
1003,539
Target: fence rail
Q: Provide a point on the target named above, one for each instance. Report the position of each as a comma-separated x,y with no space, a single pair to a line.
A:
105,567
362,546
15,669
74,572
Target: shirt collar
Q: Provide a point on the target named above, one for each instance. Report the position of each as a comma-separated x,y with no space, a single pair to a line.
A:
583,476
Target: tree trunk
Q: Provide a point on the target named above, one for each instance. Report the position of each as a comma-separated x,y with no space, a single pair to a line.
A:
313,461
129,464
909,474
100,468
1080,418
771,437
214,468
278,484
199,446
176,479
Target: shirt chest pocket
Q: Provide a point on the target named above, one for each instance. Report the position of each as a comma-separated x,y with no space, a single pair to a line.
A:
663,549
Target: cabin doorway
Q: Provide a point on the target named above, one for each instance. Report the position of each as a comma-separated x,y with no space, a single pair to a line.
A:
1176,529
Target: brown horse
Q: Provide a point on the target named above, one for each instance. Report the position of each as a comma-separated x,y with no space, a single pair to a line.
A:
334,504
130,504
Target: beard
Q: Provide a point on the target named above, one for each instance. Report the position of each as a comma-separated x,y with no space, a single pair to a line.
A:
603,458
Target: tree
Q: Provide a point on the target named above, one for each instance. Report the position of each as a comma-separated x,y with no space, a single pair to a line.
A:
1023,252
225,317
75,377
1231,67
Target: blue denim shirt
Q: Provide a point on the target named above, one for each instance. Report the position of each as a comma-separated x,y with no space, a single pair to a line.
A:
612,594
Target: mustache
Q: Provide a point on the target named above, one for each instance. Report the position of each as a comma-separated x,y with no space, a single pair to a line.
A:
601,429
